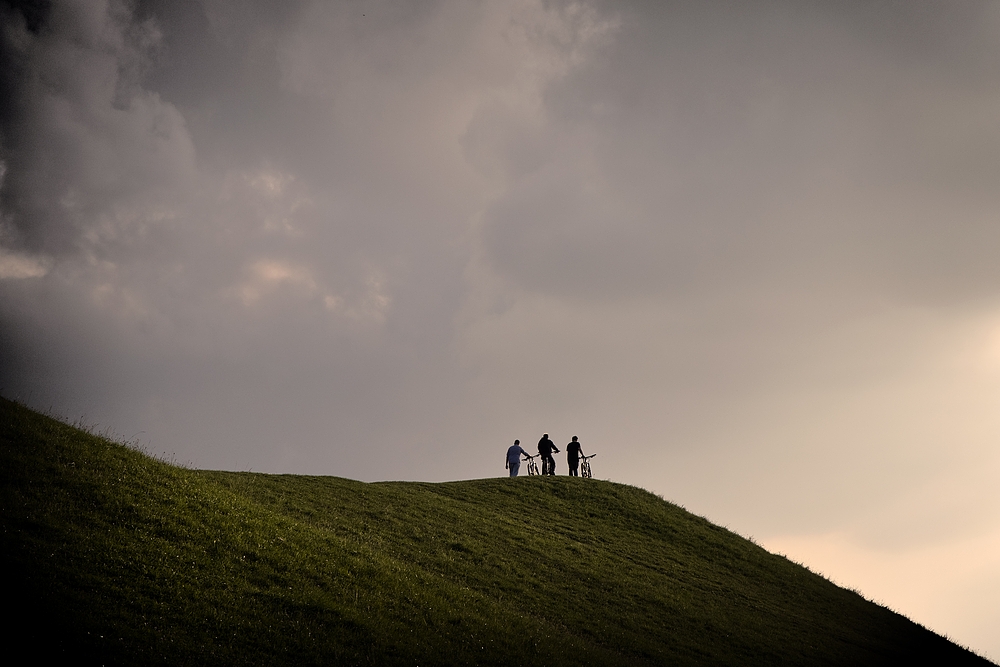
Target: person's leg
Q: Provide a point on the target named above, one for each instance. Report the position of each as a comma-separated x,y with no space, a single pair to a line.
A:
514,467
574,468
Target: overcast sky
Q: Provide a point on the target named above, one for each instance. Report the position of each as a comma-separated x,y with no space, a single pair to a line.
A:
746,251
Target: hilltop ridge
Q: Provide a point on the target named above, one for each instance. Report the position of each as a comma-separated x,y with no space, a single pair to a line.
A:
119,558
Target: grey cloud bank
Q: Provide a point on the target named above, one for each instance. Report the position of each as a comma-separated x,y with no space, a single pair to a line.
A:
743,250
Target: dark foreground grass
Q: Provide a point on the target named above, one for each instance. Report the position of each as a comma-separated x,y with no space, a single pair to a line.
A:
113,557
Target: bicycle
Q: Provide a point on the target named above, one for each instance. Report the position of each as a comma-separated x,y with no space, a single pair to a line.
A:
585,466
532,466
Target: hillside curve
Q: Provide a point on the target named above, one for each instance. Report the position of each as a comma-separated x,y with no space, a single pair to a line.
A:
119,558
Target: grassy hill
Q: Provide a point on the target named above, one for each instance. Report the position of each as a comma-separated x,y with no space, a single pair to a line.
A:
114,557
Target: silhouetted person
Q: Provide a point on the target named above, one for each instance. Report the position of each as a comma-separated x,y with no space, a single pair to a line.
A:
513,462
545,449
573,453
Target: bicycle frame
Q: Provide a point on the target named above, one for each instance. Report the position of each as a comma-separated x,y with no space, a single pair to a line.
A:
532,466
585,466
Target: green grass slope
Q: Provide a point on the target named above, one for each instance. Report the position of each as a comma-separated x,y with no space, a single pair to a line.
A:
113,557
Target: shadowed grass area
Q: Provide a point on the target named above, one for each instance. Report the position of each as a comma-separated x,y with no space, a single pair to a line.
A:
118,558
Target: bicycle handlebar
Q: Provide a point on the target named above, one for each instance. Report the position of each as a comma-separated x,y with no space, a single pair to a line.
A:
588,457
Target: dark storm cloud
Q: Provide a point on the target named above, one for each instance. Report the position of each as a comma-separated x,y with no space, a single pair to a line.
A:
767,143
269,189
277,205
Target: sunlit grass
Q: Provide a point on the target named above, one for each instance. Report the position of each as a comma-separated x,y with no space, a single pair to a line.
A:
121,558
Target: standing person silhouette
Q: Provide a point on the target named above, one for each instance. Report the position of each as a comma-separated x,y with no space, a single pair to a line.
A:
545,449
513,462
573,453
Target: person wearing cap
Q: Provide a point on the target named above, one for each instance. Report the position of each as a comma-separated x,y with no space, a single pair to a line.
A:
513,462
545,449
573,453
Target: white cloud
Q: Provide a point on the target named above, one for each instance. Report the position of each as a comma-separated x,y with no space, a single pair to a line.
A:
267,275
14,266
